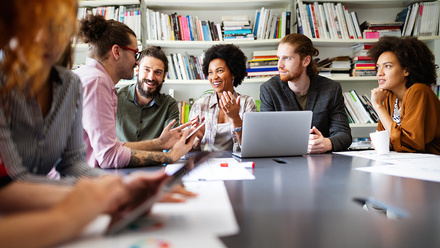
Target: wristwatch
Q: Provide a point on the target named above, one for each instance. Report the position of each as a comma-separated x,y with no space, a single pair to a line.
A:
237,129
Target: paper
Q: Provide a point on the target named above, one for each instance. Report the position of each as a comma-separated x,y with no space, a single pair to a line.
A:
196,223
421,166
212,170
418,168
390,157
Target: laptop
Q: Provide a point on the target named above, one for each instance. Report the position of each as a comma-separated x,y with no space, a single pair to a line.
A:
273,134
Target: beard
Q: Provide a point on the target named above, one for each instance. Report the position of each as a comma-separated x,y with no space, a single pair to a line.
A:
149,93
291,76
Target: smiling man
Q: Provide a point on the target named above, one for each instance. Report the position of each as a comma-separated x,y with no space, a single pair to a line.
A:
143,112
112,58
299,87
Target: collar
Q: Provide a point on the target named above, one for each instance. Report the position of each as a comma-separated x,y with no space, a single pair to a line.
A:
131,96
55,76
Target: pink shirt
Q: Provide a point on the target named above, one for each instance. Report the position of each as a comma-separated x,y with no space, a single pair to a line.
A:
100,103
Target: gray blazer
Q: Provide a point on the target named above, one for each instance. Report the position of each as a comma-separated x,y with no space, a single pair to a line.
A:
324,99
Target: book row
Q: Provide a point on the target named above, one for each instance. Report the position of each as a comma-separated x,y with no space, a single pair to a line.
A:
185,67
267,25
130,15
327,21
359,108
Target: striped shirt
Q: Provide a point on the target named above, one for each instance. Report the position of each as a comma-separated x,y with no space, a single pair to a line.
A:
31,145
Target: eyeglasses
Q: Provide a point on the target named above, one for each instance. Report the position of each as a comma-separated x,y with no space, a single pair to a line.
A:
136,51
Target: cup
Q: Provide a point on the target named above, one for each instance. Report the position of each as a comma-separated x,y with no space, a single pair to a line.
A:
381,141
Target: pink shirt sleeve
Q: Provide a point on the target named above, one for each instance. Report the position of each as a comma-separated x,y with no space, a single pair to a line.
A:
99,121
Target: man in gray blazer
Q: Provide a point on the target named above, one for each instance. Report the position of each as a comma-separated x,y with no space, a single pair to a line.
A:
299,87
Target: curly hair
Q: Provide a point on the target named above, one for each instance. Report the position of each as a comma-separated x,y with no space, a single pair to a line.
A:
102,34
232,55
412,54
304,47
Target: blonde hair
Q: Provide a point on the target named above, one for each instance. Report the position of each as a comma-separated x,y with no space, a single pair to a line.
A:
21,22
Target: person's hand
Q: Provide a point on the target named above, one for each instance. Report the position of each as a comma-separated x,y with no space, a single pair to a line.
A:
100,195
195,123
169,136
378,95
178,194
143,185
317,142
182,146
229,105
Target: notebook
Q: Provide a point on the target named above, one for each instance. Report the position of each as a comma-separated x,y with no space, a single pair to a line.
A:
272,134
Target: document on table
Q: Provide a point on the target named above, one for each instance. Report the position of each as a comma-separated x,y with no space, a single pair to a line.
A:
198,222
216,169
421,166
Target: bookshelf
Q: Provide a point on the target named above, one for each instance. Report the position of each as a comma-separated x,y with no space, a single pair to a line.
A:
81,50
213,10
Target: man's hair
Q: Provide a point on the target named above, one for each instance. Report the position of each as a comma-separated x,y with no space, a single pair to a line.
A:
232,55
102,34
412,54
304,47
155,52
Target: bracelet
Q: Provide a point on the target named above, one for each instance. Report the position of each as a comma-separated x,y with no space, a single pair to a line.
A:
238,129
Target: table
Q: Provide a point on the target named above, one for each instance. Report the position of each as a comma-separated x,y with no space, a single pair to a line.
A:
308,201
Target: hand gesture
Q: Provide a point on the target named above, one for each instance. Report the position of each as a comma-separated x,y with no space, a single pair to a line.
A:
169,136
229,105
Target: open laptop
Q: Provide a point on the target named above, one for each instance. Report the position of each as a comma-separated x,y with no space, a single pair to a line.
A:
272,134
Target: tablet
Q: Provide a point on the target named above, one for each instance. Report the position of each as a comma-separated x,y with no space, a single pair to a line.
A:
124,219
195,130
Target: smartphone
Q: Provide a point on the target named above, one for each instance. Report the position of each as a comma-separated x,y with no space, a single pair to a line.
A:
195,130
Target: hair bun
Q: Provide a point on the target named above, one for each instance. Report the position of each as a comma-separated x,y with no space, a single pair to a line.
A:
92,28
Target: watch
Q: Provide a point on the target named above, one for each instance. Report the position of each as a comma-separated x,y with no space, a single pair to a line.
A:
237,129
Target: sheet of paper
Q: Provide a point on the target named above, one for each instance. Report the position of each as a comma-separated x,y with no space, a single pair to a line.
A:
196,223
212,170
390,157
427,168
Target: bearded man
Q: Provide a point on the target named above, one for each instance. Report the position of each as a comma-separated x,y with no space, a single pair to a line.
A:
299,87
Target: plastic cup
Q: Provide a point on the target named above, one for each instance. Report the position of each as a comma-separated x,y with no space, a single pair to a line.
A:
381,141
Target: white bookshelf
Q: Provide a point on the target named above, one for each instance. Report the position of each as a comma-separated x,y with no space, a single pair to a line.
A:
98,3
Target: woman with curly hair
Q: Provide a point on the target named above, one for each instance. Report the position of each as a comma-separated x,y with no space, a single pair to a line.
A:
404,101
225,67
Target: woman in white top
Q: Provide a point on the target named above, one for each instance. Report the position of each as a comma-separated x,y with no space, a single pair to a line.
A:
222,111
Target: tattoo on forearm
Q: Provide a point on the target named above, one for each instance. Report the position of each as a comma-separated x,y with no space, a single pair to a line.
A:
144,158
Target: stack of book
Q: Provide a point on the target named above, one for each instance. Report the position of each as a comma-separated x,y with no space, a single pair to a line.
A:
130,15
359,108
237,27
185,67
421,19
263,64
269,25
375,30
335,67
163,26
327,21
363,66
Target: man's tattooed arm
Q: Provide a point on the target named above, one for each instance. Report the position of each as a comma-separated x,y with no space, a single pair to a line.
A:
147,158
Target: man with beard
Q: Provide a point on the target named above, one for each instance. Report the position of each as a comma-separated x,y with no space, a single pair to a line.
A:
112,58
299,87
143,112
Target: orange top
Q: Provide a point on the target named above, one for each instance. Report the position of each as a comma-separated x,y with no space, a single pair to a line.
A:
419,130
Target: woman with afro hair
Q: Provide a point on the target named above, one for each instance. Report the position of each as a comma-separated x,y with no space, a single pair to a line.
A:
404,101
222,111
